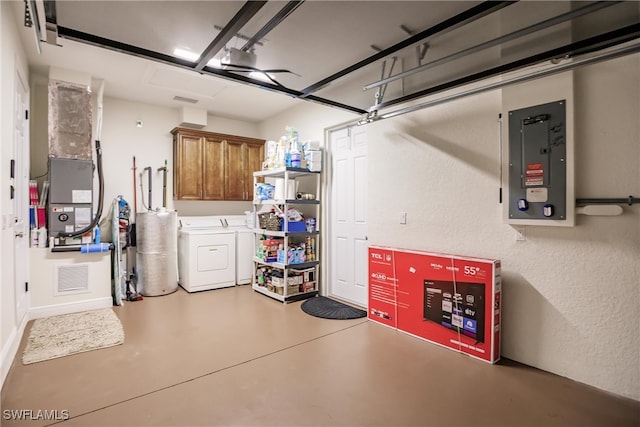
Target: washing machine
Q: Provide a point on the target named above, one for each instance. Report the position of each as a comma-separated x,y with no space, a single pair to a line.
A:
206,253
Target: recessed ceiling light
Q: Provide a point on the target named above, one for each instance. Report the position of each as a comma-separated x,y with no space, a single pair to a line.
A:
185,54
193,57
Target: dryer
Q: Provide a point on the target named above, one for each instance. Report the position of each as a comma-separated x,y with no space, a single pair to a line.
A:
244,248
206,254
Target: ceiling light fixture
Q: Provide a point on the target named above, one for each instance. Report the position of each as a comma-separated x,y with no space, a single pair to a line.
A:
239,58
193,57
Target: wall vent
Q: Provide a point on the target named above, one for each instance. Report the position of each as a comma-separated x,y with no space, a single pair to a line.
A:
72,279
183,99
193,117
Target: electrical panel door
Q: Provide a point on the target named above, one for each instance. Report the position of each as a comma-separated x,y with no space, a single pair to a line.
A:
538,163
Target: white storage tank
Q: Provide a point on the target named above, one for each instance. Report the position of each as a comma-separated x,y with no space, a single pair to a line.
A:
157,254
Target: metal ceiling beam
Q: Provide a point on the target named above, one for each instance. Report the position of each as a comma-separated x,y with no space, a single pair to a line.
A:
470,15
606,56
246,12
93,40
51,26
273,22
592,44
497,41
50,10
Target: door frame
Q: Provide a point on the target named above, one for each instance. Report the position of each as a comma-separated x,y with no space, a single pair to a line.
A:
21,199
327,232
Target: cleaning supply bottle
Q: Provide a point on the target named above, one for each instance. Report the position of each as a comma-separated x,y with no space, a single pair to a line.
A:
296,155
293,152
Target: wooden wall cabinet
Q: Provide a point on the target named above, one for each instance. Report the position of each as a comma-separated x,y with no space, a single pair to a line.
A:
214,166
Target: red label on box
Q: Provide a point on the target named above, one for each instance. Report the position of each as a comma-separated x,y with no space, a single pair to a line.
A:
382,287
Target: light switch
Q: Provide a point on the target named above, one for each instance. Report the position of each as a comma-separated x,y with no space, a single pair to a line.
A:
403,217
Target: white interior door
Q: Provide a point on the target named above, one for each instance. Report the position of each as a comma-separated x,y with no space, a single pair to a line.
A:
21,198
349,270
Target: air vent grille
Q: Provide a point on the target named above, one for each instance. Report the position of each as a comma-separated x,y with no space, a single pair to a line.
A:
72,278
183,99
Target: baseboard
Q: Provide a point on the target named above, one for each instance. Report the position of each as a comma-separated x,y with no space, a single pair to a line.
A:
9,351
72,307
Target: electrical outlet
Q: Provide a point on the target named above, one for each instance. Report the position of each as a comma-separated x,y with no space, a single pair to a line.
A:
403,217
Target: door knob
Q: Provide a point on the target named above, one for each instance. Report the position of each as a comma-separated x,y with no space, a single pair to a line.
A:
20,234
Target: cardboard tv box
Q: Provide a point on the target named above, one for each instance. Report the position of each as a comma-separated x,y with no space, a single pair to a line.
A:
449,300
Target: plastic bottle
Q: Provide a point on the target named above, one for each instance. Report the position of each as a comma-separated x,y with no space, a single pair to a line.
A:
281,152
296,155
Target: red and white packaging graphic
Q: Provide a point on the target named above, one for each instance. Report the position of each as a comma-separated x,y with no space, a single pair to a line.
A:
453,301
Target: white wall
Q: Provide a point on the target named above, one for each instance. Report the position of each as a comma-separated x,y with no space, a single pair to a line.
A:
570,294
11,60
45,301
310,120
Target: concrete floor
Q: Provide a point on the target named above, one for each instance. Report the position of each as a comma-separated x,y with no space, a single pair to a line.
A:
235,357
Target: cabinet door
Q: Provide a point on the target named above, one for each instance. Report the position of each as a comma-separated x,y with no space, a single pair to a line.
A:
242,159
188,165
255,157
213,169
235,185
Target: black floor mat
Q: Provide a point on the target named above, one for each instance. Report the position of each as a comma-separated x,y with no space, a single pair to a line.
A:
330,309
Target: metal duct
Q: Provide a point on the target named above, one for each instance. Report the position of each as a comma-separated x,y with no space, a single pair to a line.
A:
70,120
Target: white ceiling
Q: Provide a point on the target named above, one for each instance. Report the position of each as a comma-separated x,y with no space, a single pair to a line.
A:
316,40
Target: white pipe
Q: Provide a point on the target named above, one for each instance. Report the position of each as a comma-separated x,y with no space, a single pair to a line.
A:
600,210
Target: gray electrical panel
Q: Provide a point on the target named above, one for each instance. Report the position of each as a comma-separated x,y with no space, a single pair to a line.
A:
70,194
538,162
